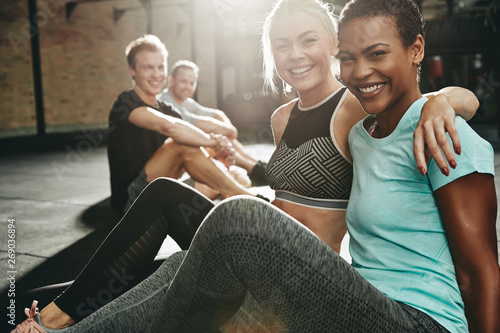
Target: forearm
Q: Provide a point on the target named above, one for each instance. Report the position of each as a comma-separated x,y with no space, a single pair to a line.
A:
462,100
217,127
187,134
222,117
179,130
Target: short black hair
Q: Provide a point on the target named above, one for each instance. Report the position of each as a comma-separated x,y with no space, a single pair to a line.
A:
407,17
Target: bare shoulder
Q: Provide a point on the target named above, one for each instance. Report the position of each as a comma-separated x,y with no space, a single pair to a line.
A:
348,114
351,109
283,112
279,119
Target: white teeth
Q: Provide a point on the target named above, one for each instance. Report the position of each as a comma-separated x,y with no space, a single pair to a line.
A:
370,89
300,70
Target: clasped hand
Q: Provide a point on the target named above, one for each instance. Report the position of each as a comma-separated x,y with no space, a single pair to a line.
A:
224,150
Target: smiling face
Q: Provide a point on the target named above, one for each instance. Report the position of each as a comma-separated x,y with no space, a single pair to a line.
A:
377,68
149,75
302,51
183,84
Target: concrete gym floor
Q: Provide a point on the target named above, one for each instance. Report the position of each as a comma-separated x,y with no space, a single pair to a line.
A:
57,193
54,199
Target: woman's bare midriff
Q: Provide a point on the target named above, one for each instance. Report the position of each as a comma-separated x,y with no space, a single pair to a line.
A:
329,225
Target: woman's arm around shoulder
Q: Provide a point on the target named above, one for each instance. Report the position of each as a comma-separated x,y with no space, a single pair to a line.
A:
279,120
468,206
438,117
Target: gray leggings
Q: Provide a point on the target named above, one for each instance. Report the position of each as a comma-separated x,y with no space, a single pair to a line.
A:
246,246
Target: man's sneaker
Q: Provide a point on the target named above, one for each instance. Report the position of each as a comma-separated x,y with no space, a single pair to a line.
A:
32,324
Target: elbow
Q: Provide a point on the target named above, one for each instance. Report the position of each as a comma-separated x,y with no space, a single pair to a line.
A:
472,103
486,277
219,115
167,128
481,295
464,284
234,133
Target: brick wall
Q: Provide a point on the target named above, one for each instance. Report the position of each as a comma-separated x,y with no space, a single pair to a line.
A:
16,85
82,58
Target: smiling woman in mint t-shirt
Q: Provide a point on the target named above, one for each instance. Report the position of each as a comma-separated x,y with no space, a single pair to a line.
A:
428,241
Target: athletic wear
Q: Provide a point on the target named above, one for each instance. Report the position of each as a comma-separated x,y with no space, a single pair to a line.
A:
165,207
32,324
135,188
189,109
307,167
129,146
243,247
398,241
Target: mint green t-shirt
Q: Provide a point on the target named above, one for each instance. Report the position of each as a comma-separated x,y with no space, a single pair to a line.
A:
398,242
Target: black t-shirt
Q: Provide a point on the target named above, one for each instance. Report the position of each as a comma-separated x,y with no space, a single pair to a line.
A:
129,146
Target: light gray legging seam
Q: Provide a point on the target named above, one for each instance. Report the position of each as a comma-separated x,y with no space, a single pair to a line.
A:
110,316
125,313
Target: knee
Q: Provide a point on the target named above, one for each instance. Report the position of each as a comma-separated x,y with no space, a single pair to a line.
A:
241,214
162,185
193,153
159,189
186,152
171,146
174,195
240,205
175,260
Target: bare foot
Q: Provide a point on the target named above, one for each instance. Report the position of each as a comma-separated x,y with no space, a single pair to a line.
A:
53,317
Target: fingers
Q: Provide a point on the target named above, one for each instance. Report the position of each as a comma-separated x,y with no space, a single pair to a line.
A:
223,144
418,150
430,139
224,150
453,133
446,146
435,143
437,118
230,159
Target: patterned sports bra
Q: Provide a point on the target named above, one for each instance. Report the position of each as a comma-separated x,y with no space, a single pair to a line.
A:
307,168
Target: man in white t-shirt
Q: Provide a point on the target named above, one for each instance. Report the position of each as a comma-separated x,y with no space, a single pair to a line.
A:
182,83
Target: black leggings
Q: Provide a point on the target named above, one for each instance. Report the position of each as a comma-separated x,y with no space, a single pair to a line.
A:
165,207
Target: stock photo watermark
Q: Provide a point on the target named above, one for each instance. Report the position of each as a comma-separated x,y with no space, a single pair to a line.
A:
93,139
114,288
11,271
30,26
75,156
222,7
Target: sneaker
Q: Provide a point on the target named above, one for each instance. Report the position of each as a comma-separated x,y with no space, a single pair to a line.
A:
258,174
32,324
